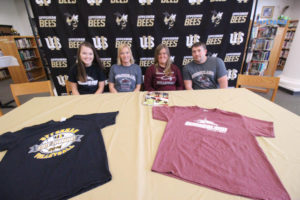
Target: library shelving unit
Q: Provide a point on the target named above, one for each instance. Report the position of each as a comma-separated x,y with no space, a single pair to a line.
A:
286,41
4,74
25,49
259,51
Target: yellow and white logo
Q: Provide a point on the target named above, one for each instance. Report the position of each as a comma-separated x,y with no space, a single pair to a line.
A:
147,42
170,41
106,62
56,143
146,61
96,21
118,1
186,60
75,42
237,38
72,20
216,17
43,2
214,39
238,17
121,20
59,63
191,39
195,2
232,74
169,1
66,1
94,2
145,21
217,1
100,42
193,20
61,79
120,41
47,21
169,19
232,57
242,1
53,43
145,2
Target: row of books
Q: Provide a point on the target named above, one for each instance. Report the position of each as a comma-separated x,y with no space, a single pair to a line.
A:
293,24
284,53
281,62
286,44
4,74
27,54
262,44
30,77
23,43
264,32
256,68
29,65
261,55
289,35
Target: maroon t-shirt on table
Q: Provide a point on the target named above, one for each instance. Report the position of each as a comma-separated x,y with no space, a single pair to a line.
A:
156,80
217,149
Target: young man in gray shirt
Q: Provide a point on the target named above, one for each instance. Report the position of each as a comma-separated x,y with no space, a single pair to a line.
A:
204,72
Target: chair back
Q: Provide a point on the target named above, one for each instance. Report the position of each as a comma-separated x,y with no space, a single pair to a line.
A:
1,112
30,88
68,87
258,82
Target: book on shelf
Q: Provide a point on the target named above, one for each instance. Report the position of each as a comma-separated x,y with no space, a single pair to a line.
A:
257,68
23,43
156,98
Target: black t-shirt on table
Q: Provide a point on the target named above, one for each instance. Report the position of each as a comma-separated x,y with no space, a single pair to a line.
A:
94,76
55,160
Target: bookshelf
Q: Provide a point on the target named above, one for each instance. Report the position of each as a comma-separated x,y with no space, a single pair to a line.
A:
4,74
286,42
259,51
25,49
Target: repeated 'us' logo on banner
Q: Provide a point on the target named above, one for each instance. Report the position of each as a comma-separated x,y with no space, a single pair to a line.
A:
94,2
43,2
53,43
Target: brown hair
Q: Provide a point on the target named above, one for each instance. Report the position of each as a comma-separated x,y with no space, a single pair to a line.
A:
121,47
199,44
81,71
168,69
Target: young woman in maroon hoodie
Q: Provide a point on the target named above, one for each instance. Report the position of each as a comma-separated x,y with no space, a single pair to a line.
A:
163,75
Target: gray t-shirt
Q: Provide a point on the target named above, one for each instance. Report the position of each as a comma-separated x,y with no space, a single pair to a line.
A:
205,75
125,78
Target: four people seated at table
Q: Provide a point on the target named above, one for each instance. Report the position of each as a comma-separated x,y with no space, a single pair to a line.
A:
87,75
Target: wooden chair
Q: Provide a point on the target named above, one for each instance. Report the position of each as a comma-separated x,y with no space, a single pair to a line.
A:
255,83
30,88
68,87
1,112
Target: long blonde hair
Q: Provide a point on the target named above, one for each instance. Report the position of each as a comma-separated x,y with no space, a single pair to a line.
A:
168,69
121,47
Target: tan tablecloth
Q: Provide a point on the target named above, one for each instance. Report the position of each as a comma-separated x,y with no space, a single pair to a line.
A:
132,143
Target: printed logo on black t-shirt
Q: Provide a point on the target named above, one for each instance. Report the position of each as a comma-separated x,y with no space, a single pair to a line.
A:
56,143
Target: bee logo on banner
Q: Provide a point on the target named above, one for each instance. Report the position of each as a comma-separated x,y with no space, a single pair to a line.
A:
237,38
120,41
193,20
216,17
72,20
145,21
66,1
53,43
106,62
121,20
59,63
145,2
214,39
118,1
43,2
195,2
232,57
238,17
186,60
191,39
100,43
146,61
147,42
169,19
169,1
94,2
75,42
170,41
96,21
47,21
